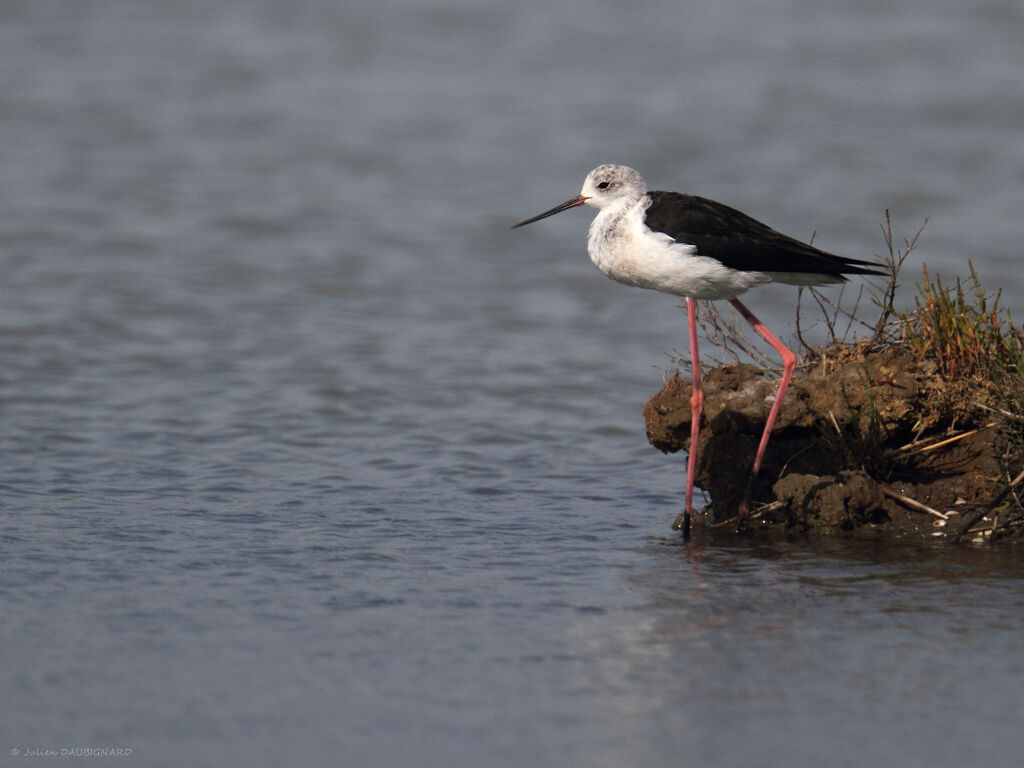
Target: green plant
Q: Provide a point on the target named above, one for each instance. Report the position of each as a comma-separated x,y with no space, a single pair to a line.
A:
962,329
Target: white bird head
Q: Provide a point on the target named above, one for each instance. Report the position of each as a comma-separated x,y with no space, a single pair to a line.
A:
605,185
608,184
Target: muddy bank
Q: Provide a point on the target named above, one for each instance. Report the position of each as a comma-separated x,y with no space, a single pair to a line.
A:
875,442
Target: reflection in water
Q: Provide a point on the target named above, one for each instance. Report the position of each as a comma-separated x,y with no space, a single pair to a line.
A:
810,649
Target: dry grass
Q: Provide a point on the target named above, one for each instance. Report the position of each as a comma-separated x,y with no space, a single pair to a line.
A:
834,313
962,329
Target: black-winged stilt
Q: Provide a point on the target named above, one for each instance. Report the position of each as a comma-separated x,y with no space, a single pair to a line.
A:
696,248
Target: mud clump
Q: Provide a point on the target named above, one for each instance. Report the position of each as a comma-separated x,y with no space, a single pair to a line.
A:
845,502
874,441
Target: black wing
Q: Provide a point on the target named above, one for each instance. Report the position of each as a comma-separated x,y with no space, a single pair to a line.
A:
742,242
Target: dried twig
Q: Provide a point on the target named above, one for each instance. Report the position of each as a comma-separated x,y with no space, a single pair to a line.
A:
769,507
1005,525
725,334
990,506
883,296
913,504
838,310
1000,411
894,261
915,447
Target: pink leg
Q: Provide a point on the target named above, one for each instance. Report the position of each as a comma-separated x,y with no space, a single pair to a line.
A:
788,367
696,408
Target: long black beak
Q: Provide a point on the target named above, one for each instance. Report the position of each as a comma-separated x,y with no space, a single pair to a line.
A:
579,200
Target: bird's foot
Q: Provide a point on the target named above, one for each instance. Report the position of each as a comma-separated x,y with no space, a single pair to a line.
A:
742,517
682,523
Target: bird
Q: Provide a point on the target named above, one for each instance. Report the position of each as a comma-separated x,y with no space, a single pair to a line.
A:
699,249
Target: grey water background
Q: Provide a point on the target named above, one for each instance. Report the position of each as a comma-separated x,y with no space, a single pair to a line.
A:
306,459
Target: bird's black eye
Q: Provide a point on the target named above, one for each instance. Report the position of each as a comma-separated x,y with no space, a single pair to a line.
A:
603,185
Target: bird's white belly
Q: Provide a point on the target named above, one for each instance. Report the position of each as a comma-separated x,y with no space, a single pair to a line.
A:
629,252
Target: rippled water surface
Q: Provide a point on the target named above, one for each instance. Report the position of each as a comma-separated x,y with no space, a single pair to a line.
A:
306,459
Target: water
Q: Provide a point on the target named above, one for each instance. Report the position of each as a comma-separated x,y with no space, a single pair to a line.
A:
305,458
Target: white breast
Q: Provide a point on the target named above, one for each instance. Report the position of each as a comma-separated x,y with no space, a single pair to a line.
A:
626,250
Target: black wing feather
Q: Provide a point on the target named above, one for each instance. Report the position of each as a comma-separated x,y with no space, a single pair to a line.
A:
742,242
